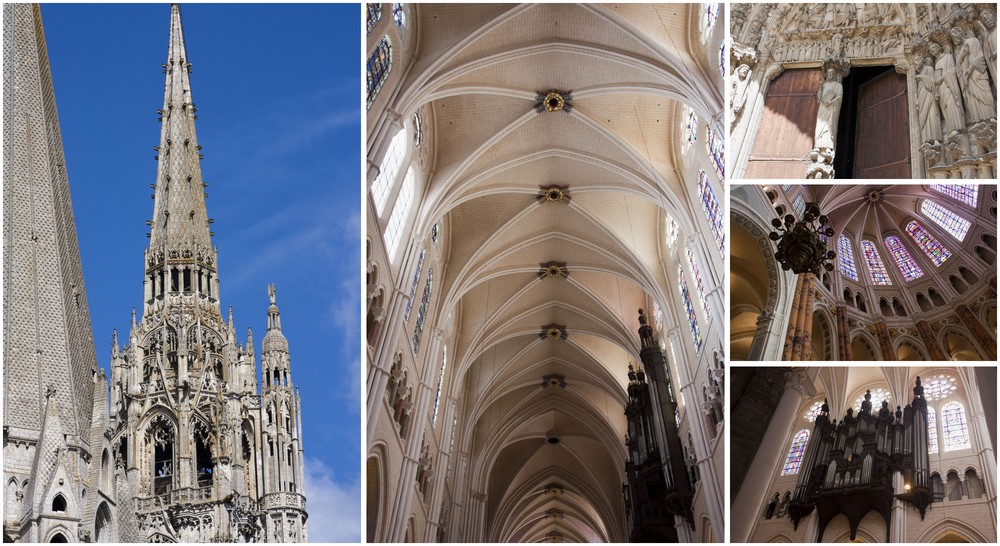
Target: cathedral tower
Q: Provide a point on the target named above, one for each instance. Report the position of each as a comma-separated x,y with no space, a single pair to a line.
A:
189,417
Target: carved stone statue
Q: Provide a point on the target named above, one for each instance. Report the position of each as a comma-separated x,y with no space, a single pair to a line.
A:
928,111
843,14
948,93
740,85
830,96
975,80
989,26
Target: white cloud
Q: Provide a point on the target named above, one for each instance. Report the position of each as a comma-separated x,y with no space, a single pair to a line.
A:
334,508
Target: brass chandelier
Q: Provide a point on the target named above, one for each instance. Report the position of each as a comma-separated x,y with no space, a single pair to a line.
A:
800,247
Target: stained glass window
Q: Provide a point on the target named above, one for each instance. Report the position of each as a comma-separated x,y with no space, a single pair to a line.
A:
388,170
938,387
374,14
722,59
400,213
846,253
713,212
966,193
451,443
398,15
795,453
672,231
956,431
437,397
691,130
692,318
876,269
951,222
657,314
784,187
813,411
418,330
799,204
931,247
711,14
413,286
932,439
716,151
379,64
698,284
418,131
906,264
878,395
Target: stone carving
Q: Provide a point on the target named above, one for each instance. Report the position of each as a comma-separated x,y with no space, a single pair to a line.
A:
988,27
948,92
927,105
975,81
830,96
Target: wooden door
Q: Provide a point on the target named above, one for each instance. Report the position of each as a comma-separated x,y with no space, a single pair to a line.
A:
787,128
882,139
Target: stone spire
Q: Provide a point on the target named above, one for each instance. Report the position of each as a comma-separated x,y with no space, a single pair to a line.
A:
47,334
179,217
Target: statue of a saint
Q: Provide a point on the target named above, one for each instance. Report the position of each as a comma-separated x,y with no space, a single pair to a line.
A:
740,85
830,96
928,111
948,93
975,80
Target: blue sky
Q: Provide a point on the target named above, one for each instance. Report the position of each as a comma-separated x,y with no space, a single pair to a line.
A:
278,93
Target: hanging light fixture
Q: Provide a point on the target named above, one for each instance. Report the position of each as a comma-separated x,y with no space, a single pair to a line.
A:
800,247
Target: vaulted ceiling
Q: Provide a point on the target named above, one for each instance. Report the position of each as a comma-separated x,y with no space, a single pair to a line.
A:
474,77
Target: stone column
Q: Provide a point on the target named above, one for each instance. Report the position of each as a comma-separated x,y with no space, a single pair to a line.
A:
760,335
984,338
786,354
885,341
770,454
807,325
927,336
843,333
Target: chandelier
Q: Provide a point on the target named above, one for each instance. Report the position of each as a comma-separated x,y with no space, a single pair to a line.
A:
800,247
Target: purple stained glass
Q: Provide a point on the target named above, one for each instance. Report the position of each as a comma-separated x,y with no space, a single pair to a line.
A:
691,130
846,253
698,284
876,269
711,15
692,318
956,431
795,453
966,193
413,286
722,59
931,246
379,65
904,261
374,14
710,204
716,151
948,220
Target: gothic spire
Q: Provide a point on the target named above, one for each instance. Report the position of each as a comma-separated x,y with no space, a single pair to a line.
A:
179,216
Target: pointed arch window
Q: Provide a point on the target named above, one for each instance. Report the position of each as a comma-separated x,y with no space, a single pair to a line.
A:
966,193
795,452
437,397
388,170
398,14
846,252
698,284
716,151
413,286
418,330
799,204
722,59
710,204
400,213
939,387
672,231
932,437
691,129
931,246
878,395
876,269
711,15
379,65
956,430
418,130
374,14
813,411
948,220
904,261
692,318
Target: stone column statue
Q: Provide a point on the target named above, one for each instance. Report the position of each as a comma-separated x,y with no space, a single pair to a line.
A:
975,80
830,96
948,93
929,113
990,43
740,85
